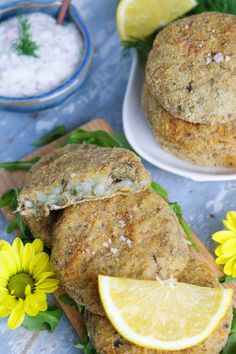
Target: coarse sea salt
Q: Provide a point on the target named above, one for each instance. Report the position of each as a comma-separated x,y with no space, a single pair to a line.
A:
59,53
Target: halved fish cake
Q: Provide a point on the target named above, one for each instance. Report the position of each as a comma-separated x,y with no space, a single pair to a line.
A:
106,340
134,236
76,173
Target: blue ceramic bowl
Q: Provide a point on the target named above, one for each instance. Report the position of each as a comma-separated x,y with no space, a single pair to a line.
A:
62,92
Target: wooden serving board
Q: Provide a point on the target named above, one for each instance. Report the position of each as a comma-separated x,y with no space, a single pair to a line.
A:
10,180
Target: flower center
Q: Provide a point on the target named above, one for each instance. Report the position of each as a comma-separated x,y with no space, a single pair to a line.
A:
18,283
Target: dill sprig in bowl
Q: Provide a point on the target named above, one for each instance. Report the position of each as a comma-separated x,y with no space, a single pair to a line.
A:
26,47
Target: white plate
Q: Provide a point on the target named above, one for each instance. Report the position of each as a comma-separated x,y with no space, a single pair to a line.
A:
140,137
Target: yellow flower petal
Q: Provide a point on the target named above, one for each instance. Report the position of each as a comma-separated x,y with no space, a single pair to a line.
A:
218,250
27,290
44,276
222,236
230,221
234,270
7,264
39,264
18,246
37,246
229,248
48,285
27,255
3,290
3,282
229,266
35,303
13,255
4,311
9,302
222,260
4,245
4,275
17,315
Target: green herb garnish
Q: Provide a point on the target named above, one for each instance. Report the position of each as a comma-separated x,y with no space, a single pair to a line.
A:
159,190
25,45
86,346
47,320
98,137
19,165
51,136
226,279
230,347
10,199
69,301
186,227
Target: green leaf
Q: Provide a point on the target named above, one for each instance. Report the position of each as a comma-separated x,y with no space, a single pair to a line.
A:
69,301
226,279
230,347
86,347
121,140
18,225
9,198
189,234
51,136
97,137
19,165
177,209
186,228
159,190
47,320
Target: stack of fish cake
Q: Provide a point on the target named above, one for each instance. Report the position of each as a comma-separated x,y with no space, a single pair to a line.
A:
102,217
189,95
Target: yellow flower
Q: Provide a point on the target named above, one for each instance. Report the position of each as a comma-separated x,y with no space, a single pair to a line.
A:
226,251
25,278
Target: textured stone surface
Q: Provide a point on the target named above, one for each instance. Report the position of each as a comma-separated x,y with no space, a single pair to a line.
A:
204,204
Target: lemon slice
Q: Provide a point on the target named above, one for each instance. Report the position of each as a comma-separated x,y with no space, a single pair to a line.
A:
137,19
164,315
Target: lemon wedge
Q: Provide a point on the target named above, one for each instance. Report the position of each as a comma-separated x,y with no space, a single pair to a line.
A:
164,315
137,19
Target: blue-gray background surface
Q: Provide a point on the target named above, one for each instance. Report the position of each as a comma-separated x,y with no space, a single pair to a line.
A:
101,96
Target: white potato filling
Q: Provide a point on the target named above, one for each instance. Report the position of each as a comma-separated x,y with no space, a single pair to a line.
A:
72,194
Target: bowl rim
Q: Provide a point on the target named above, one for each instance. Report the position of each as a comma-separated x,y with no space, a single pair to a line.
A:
84,64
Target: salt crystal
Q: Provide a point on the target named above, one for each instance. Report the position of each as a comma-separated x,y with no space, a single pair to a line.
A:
209,60
113,250
129,242
122,223
186,26
218,57
105,244
122,238
201,44
227,58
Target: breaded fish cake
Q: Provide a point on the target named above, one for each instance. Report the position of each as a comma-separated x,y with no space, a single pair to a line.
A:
203,144
192,68
135,235
107,341
74,173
